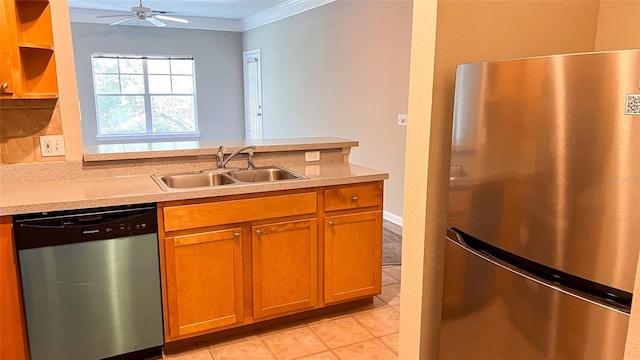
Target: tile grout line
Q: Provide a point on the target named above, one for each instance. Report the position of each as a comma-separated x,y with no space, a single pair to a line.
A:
384,343
268,348
354,319
387,306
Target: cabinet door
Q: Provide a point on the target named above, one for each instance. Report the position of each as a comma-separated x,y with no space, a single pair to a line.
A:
352,256
285,267
8,48
13,337
204,281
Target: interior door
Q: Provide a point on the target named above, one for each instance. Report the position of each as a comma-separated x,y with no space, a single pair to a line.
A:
253,94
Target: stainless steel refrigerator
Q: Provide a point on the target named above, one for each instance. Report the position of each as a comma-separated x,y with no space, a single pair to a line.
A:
544,208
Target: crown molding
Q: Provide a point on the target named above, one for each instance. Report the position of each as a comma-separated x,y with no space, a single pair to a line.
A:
280,11
272,14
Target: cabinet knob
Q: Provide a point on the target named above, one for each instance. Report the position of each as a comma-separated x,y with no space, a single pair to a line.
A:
4,86
330,223
354,199
259,232
236,235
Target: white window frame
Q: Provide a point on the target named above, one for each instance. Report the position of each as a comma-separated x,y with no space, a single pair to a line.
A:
149,135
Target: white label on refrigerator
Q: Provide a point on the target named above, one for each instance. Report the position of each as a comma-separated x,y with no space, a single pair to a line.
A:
633,104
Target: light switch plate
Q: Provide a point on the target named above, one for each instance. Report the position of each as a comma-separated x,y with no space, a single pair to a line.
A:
312,156
52,145
402,119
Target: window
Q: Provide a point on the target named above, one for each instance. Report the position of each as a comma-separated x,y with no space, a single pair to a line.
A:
144,96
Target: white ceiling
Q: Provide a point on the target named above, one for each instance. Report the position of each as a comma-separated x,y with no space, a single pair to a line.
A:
216,9
227,15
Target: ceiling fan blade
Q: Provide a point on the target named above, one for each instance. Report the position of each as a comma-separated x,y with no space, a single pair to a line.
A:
123,20
155,22
114,15
171,18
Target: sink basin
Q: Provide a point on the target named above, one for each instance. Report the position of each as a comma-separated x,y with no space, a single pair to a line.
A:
261,174
219,177
192,180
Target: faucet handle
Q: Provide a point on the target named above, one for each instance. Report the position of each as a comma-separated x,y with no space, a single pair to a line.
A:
250,164
220,156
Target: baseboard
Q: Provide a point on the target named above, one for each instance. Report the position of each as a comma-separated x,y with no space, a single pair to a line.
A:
392,218
395,222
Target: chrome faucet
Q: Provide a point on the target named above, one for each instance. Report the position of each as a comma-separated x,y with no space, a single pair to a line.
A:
222,162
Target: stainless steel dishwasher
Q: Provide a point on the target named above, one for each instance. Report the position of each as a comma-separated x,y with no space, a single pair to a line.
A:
91,282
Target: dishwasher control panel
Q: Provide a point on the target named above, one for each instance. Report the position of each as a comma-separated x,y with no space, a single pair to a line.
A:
65,227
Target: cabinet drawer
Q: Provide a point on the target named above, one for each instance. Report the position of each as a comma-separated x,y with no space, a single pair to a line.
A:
353,197
182,217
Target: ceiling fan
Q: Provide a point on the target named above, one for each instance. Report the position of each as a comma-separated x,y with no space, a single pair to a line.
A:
144,13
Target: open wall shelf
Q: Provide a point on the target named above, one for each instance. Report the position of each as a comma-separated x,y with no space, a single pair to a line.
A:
33,65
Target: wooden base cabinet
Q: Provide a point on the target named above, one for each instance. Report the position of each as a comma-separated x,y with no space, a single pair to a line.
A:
231,260
284,261
204,281
352,256
241,259
352,241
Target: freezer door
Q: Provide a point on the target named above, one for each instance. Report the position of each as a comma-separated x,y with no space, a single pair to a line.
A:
545,161
491,311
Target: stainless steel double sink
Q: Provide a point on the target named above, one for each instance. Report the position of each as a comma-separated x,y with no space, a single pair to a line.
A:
221,177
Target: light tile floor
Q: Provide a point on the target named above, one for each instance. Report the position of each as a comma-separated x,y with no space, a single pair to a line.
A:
368,332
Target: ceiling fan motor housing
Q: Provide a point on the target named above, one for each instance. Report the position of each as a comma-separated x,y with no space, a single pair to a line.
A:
140,9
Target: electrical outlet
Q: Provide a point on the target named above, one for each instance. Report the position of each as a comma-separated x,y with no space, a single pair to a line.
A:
52,145
312,156
402,119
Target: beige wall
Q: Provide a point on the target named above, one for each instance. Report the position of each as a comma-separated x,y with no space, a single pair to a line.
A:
466,31
421,259
67,87
618,25
341,70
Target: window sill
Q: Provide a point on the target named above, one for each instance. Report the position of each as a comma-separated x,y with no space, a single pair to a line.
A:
120,139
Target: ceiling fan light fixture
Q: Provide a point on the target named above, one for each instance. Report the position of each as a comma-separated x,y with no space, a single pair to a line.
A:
171,18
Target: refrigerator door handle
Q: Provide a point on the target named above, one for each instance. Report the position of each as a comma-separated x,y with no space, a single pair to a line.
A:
457,239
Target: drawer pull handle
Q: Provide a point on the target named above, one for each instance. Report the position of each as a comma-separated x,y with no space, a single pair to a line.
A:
330,223
354,199
4,87
259,232
236,235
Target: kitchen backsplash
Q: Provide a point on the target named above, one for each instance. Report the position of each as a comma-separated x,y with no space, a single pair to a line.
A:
22,122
